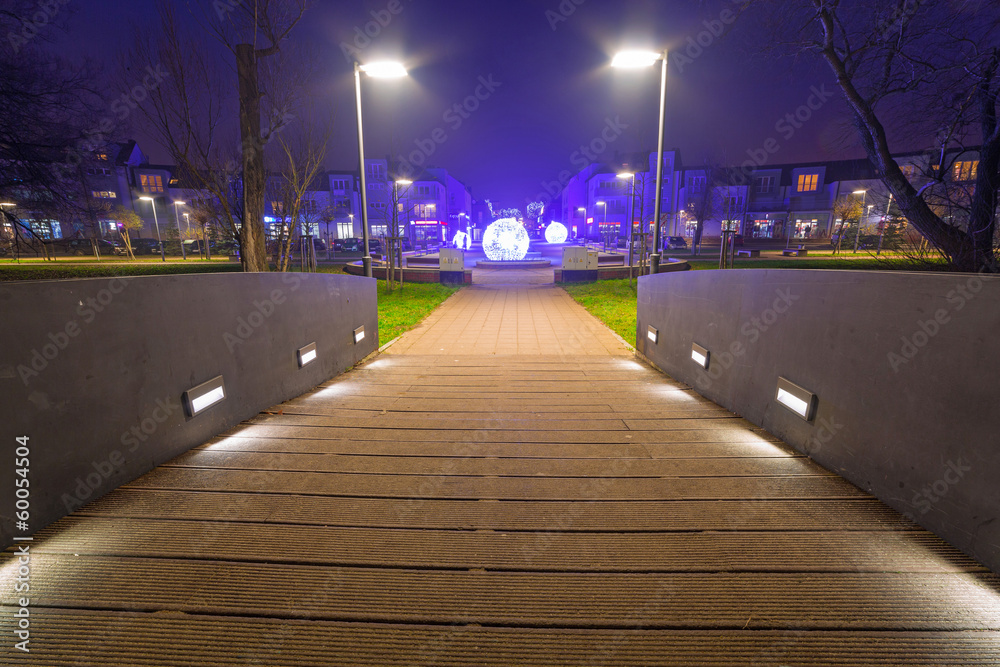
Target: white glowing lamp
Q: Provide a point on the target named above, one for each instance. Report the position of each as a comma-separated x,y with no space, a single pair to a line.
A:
635,59
384,70
506,241
556,233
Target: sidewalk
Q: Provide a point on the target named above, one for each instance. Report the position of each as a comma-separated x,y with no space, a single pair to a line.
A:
513,320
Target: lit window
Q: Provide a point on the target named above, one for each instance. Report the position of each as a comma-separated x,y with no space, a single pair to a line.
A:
151,182
966,171
808,182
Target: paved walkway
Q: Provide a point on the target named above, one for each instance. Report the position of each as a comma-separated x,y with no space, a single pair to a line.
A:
507,486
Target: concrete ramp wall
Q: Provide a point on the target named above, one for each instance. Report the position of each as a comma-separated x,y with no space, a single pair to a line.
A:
93,372
905,368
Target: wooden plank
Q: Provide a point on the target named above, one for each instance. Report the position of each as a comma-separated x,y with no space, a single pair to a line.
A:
780,601
67,637
497,488
817,552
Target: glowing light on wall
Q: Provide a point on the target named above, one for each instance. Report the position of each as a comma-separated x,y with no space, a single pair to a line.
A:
556,233
462,241
506,241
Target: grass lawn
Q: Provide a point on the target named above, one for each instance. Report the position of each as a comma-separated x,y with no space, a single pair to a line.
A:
403,308
611,301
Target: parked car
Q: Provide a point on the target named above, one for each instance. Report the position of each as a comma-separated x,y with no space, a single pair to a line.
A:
347,245
676,243
407,246
738,240
225,248
78,246
145,246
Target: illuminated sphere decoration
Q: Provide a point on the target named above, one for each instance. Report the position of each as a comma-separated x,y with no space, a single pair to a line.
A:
506,241
556,233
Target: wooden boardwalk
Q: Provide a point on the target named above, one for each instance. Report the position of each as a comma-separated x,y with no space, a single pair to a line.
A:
549,502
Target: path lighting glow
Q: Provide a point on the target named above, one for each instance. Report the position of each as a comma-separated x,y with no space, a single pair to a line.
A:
795,398
653,334
307,354
635,59
359,334
506,241
200,398
384,70
700,355
556,233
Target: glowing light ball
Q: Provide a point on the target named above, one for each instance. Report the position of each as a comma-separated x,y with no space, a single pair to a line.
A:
506,241
462,241
556,233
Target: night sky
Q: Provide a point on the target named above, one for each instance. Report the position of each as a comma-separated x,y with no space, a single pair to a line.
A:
553,90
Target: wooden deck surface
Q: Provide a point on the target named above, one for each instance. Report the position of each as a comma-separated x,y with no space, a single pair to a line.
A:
503,509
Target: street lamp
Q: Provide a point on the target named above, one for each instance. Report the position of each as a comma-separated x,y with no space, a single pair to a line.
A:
379,70
864,196
881,231
642,59
152,204
630,213
177,219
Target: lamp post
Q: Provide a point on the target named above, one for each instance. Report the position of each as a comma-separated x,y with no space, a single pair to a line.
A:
152,204
881,231
380,70
639,59
629,214
406,225
604,225
857,236
177,219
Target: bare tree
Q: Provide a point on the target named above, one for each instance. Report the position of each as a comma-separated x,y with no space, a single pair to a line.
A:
298,164
51,124
930,68
253,30
189,111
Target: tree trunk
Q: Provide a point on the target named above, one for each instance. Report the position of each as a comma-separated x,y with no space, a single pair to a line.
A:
252,246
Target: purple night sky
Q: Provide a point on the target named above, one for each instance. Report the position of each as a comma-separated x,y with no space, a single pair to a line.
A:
553,89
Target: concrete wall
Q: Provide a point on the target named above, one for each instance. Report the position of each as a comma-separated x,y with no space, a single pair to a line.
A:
906,368
93,371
